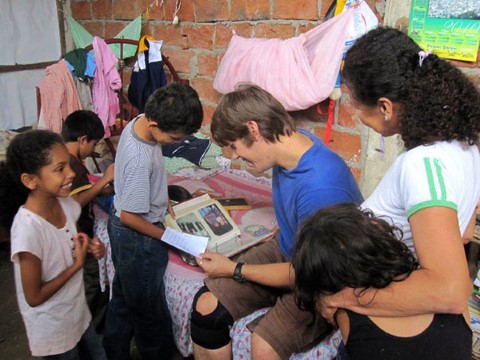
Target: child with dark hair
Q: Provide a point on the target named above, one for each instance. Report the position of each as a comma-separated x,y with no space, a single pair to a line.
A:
344,247
138,306
431,191
81,132
47,251
83,124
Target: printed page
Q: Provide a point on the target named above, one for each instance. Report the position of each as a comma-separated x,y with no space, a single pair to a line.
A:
191,244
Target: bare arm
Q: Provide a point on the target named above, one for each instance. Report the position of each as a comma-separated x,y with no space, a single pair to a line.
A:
275,275
138,223
36,292
343,323
441,285
85,197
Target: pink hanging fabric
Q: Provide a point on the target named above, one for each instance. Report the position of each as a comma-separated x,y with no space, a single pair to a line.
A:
58,95
299,72
106,82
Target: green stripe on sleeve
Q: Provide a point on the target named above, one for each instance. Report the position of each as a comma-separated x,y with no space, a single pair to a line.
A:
431,203
431,182
441,183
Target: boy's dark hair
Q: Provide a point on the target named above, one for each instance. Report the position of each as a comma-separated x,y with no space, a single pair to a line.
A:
175,108
343,246
27,153
249,102
82,123
438,102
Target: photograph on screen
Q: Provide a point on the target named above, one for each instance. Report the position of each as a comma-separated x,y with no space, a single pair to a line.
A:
215,219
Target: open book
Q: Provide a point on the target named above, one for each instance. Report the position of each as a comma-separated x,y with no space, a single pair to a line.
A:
204,216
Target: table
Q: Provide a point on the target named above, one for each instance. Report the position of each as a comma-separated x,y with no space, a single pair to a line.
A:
182,281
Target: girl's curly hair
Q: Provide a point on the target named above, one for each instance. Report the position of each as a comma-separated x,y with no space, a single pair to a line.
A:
27,153
343,246
438,102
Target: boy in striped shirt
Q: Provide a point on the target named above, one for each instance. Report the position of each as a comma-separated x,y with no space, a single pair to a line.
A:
138,307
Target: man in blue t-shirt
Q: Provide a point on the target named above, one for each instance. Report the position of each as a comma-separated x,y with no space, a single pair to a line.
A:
306,176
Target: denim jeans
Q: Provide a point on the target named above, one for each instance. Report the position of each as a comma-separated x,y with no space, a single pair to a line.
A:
88,348
138,307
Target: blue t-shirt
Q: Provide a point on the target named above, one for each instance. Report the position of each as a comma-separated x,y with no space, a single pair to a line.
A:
320,179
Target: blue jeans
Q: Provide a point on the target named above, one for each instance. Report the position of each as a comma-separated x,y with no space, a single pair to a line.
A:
138,308
89,348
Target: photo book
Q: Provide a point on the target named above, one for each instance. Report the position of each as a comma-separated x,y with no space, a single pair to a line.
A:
206,217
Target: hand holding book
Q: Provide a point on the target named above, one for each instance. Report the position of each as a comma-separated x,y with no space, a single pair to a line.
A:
216,265
191,244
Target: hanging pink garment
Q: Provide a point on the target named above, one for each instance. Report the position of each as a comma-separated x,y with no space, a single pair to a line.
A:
58,95
299,72
105,84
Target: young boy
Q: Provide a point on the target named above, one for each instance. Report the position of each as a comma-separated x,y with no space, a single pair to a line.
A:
81,131
306,176
138,306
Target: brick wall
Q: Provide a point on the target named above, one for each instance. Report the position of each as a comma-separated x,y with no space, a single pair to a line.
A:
195,46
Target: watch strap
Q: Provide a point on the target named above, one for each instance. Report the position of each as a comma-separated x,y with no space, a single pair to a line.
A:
237,273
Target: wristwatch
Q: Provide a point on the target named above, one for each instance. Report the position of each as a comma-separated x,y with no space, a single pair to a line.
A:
237,273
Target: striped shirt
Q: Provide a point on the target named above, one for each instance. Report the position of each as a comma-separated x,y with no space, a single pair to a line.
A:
140,176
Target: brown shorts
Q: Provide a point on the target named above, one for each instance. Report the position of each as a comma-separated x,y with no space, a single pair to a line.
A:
285,327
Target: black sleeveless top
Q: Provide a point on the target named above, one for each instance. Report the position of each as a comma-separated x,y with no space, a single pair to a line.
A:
447,338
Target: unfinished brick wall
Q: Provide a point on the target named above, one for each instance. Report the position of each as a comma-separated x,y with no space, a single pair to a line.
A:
195,46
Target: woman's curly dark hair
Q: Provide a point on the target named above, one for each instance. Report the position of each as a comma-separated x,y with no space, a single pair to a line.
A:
438,102
343,246
27,153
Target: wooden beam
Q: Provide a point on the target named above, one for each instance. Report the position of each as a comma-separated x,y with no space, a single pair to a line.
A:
22,67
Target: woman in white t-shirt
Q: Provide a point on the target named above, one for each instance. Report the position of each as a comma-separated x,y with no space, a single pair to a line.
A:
432,189
48,254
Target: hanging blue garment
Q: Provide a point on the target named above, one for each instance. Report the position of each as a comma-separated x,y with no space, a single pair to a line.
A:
190,148
147,75
81,63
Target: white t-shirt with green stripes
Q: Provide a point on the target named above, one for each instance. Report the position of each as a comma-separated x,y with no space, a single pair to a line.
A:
444,174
